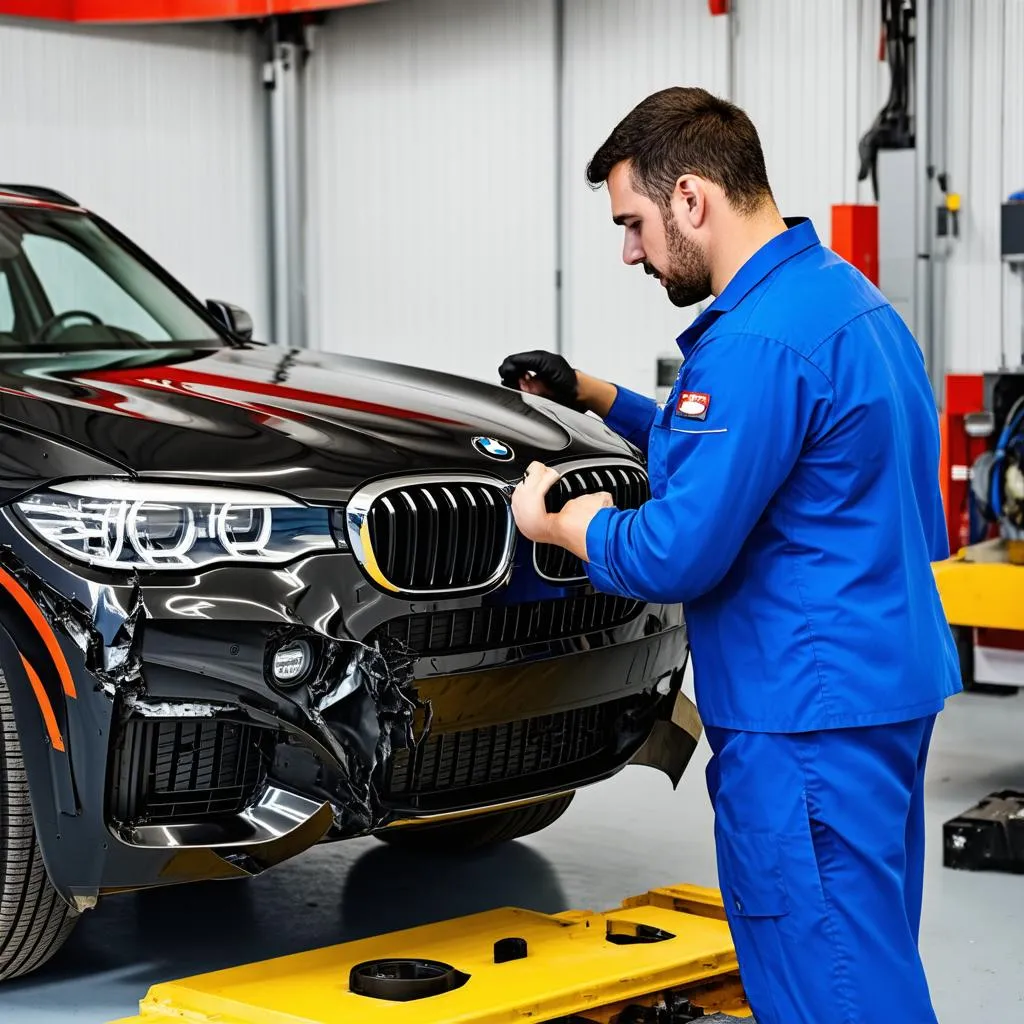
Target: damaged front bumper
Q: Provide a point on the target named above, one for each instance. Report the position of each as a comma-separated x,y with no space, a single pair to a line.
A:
161,748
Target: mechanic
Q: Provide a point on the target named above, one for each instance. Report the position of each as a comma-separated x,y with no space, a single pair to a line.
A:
795,512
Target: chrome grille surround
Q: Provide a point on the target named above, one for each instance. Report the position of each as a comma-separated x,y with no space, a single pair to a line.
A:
474,553
442,508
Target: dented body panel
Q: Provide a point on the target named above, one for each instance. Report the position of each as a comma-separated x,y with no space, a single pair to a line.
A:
198,651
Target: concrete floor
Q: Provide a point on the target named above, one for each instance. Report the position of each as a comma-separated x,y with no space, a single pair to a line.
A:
623,837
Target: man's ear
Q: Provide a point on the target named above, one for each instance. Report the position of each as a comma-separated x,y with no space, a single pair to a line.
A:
689,200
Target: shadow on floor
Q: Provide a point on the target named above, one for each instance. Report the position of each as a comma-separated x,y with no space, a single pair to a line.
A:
319,899
388,889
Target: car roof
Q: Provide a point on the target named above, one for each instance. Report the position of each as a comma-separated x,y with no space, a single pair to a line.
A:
35,195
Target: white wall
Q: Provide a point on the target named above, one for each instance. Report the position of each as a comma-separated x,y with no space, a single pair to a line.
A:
159,130
432,159
432,163
807,72
432,185
617,319
987,163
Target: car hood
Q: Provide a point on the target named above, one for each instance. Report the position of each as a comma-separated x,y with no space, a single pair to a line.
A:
312,424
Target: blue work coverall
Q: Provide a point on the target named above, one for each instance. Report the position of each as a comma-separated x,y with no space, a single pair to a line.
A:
795,513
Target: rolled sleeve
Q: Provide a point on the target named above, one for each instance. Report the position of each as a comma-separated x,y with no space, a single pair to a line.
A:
722,472
597,545
631,416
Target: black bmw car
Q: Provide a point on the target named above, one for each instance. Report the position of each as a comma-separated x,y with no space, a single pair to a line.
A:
254,599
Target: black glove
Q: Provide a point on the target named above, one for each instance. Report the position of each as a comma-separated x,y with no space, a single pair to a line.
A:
550,369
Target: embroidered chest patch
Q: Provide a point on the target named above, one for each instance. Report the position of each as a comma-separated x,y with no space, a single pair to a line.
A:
693,405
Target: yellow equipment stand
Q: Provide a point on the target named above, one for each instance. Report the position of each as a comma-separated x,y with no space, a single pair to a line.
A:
656,951
981,587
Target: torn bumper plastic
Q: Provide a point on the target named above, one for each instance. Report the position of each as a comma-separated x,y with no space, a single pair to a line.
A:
673,740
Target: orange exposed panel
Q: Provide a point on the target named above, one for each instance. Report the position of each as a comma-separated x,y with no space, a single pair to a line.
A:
43,628
164,10
855,237
45,707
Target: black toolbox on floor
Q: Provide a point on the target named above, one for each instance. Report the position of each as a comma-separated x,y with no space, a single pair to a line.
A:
989,836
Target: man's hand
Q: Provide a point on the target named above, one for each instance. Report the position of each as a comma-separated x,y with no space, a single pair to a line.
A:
574,521
568,528
550,376
529,508
542,373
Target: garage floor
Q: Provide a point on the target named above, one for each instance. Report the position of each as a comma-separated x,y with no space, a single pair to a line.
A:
618,839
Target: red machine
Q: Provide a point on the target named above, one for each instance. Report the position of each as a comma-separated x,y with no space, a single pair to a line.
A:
964,396
855,237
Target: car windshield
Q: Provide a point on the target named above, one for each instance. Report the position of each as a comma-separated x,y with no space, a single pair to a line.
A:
65,283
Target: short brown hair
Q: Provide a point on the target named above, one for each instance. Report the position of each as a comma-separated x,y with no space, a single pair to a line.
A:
687,131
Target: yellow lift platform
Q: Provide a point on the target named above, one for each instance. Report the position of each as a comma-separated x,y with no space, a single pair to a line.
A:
983,585
665,958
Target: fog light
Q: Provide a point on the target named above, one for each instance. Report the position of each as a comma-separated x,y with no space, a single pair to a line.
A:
291,662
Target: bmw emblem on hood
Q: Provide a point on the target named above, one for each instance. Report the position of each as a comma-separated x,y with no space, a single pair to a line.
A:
493,448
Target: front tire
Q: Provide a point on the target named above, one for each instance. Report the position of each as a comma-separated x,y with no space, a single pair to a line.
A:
469,834
34,921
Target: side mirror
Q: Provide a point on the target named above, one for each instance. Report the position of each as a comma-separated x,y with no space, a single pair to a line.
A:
979,424
235,319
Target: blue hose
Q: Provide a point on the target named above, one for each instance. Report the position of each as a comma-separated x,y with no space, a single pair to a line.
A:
1006,438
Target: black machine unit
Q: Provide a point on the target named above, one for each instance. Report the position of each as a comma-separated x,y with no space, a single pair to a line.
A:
996,487
989,836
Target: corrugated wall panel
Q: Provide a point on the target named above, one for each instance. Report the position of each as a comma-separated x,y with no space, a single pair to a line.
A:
809,76
432,185
160,130
799,104
617,320
986,139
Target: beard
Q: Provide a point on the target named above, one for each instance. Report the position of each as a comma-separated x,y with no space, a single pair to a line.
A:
688,277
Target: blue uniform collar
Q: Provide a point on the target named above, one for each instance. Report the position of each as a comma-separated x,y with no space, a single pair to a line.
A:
799,236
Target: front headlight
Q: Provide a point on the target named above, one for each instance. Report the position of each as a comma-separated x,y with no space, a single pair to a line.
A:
120,524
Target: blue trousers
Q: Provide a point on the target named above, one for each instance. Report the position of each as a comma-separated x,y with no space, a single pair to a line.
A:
820,841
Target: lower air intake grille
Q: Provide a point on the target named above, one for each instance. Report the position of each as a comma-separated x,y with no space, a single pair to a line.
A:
187,769
629,489
454,761
484,629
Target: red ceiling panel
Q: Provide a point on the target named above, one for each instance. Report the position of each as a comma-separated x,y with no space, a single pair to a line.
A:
63,9
164,10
